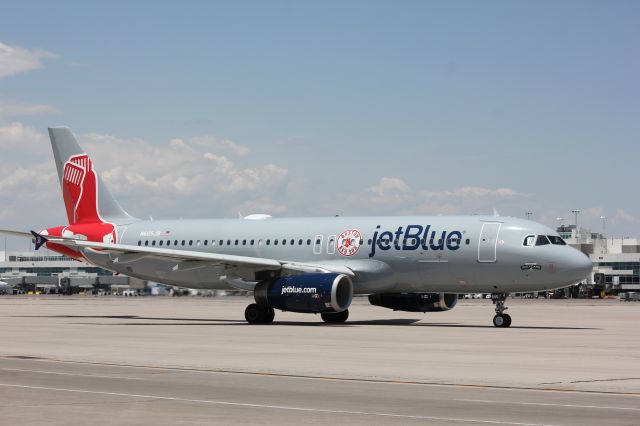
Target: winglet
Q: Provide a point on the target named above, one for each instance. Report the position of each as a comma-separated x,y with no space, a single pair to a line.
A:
39,239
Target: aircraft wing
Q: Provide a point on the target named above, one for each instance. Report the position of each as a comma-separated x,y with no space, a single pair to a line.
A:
130,253
125,253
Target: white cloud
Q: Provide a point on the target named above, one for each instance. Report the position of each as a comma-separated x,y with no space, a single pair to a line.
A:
392,195
16,60
624,216
224,145
472,191
388,185
192,177
11,108
17,136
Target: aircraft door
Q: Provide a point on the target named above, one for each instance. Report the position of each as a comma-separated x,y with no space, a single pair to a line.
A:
317,244
331,244
488,242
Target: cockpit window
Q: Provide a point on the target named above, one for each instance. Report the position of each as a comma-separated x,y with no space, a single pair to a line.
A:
529,240
556,240
542,240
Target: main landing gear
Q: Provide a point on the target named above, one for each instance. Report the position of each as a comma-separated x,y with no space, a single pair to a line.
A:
259,314
501,319
335,317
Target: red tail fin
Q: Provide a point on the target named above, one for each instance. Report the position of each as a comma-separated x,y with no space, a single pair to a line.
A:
79,189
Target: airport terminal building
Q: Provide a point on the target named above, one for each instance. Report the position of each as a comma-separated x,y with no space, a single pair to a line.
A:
47,272
616,261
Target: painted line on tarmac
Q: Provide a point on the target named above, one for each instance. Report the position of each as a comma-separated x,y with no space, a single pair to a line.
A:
335,378
273,407
59,373
547,404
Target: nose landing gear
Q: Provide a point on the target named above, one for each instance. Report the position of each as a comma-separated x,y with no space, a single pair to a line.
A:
501,319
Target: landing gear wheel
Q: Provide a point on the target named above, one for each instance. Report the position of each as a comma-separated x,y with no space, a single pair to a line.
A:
253,314
501,319
507,320
270,314
335,317
258,314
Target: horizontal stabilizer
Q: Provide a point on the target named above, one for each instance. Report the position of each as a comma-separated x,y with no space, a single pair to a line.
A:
39,239
16,233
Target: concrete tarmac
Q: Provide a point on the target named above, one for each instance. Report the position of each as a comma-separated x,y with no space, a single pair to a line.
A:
99,361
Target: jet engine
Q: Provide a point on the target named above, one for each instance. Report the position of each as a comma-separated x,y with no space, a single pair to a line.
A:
415,302
307,293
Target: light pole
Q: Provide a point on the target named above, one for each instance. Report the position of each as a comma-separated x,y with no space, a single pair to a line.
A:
604,225
576,212
528,215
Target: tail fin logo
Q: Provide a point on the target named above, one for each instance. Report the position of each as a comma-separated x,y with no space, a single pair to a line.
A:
79,186
80,193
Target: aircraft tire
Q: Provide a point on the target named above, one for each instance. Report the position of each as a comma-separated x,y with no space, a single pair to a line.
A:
270,314
507,320
502,320
255,314
335,317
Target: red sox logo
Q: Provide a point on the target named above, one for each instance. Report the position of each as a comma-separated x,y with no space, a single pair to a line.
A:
80,193
348,242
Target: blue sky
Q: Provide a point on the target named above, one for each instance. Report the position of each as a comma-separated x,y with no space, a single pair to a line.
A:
332,107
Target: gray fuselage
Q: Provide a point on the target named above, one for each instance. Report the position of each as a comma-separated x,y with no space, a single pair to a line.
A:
447,254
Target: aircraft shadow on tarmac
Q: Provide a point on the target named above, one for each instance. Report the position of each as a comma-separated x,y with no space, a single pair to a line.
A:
226,322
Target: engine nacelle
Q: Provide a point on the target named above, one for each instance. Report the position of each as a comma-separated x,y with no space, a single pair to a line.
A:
415,302
307,293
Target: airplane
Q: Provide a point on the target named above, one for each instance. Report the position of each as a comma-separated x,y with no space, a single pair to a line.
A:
310,265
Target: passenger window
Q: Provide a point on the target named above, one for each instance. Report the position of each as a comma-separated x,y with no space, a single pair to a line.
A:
139,242
182,242
198,242
529,240
153,243
556,240
309,242
146,243
244,242
236,242
228,242
293,241
252,241
275,242
369,242
160,243
205,242
190,242
268,242
221,242
284,242
467,241
542,240
300,242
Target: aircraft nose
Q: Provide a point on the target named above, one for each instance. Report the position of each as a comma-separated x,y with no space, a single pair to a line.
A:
580,265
